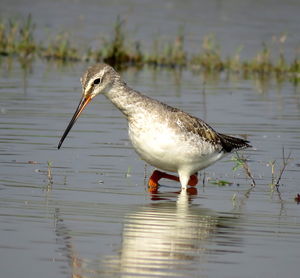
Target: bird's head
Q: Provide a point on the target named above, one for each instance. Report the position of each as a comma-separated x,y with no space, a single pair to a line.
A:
97,79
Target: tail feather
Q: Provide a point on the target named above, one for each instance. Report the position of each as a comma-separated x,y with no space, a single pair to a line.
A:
231,143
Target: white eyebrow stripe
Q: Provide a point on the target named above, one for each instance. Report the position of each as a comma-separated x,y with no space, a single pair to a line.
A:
89,86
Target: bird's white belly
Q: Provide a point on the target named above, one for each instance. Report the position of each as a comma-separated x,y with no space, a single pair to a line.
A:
169,150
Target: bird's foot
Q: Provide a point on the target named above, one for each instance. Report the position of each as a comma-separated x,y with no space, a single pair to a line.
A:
157,175
193,180
153,180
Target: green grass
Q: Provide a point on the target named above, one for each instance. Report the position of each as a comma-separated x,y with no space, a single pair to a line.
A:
17,39
115,51
220,182
209,57
60,48
170,53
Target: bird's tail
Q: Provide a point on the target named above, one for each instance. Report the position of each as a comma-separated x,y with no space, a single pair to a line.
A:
231,143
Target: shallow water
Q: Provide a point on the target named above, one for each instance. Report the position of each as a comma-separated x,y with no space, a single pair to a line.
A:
96,218
92,216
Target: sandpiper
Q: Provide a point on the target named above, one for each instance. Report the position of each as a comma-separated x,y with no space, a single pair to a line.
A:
165,137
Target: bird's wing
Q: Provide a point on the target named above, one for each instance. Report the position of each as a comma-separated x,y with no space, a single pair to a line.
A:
189,123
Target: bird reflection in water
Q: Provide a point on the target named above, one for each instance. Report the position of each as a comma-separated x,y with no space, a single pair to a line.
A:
163,238
156,195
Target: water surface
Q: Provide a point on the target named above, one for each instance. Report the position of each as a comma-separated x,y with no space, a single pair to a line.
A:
93,216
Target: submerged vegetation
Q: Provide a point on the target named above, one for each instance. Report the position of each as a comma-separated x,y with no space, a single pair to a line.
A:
242,162
17,39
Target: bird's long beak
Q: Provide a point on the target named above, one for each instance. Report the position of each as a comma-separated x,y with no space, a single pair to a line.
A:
82,104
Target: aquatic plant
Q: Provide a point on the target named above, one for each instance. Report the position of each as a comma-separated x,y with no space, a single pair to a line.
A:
173,53
49,171
115,51
27,44
277,178
241,162
60,49
17,39
220,182
209,57
234,63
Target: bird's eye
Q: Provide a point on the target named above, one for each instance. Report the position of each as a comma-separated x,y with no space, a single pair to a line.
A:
97,81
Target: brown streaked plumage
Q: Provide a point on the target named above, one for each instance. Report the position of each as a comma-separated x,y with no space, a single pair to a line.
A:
163,136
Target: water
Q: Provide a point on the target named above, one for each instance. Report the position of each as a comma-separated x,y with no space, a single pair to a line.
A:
95,218
236,24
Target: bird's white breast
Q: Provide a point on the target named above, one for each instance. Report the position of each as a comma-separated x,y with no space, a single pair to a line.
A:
168,148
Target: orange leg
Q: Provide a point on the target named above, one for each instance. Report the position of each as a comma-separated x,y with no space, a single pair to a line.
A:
157,175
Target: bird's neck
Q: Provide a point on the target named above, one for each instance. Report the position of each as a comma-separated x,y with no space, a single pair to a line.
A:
124,98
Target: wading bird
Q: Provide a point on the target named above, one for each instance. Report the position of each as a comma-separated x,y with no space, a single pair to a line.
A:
165,137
